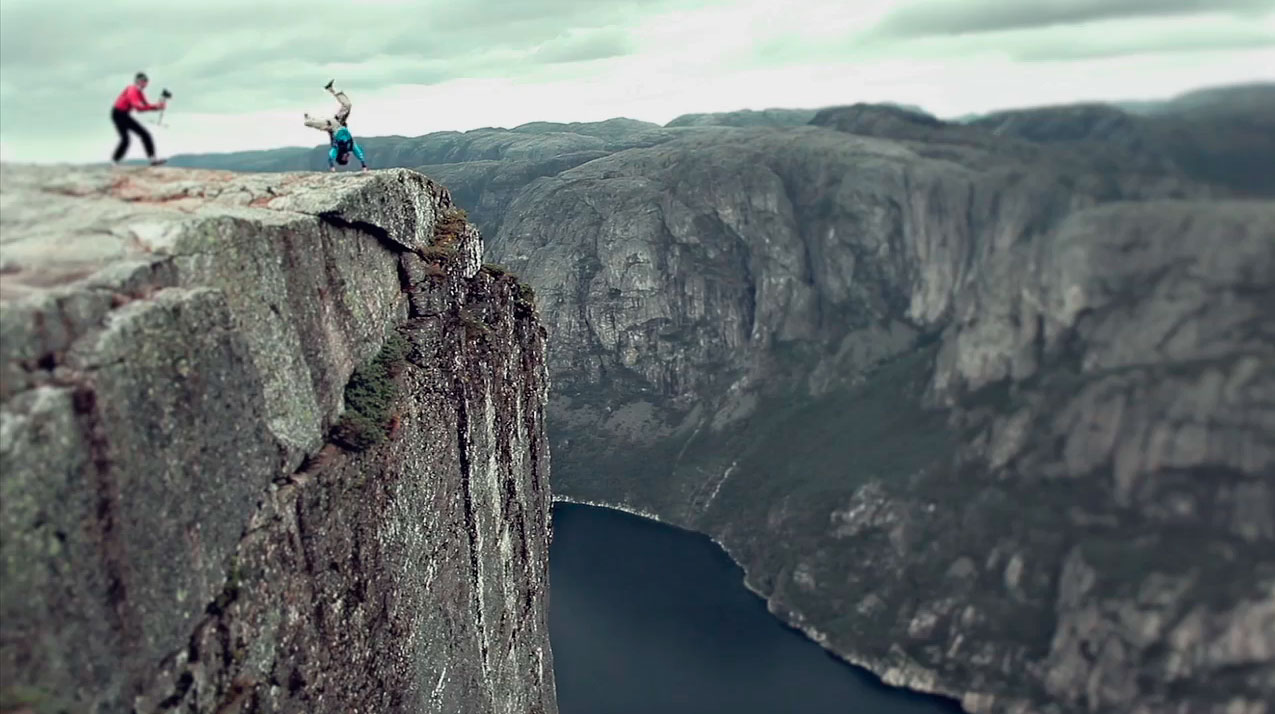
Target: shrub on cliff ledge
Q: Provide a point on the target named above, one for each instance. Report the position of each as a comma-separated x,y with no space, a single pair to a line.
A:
525,301
524,295
370,397
447,232
449,227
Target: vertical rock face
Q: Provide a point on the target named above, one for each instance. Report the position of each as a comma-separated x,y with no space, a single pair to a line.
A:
269,443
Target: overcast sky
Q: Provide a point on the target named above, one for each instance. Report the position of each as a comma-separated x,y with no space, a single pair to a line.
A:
244,71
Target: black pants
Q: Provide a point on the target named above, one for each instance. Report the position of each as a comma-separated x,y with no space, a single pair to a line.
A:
124,123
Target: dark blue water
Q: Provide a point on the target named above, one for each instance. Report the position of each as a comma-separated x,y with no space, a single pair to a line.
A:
649,619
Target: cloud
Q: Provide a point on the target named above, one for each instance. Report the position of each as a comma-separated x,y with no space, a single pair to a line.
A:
1184,36
64,42
66,60
585,45
954,17
1199,37
243,71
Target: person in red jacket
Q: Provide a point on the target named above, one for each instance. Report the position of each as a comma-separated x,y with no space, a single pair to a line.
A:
131,99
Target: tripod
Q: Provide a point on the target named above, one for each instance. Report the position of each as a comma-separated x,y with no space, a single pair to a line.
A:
165,95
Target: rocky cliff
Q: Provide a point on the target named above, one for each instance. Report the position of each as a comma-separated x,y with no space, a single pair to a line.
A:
986,408
268,443
991,417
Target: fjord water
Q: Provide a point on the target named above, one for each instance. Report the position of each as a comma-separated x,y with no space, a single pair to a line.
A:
649,619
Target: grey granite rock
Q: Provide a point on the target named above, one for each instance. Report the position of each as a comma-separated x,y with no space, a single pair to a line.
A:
180,534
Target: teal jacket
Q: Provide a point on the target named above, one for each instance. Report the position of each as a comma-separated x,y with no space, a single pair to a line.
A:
342,144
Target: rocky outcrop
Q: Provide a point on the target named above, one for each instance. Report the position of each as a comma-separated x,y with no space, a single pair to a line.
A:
991,418
269,443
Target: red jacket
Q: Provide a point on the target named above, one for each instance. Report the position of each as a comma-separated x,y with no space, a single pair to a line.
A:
132,98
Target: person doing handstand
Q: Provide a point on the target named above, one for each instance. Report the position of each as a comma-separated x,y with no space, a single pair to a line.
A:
342,141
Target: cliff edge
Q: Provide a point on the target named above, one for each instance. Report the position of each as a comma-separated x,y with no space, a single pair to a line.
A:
268,442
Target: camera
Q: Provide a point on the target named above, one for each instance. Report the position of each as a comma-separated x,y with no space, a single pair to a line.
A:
166,94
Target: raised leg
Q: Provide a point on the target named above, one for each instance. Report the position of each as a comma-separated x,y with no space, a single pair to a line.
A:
344,112
325,124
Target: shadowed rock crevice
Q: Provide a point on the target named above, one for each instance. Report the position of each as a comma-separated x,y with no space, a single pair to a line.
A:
110,540
376,232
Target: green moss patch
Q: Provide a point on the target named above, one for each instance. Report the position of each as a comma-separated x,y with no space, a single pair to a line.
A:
370,397
23,699
526,300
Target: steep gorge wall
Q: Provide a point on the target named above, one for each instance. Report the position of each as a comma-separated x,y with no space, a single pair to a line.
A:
991,419
181,350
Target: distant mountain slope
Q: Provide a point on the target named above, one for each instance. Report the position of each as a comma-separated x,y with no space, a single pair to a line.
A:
1224,136
989,416
747,118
